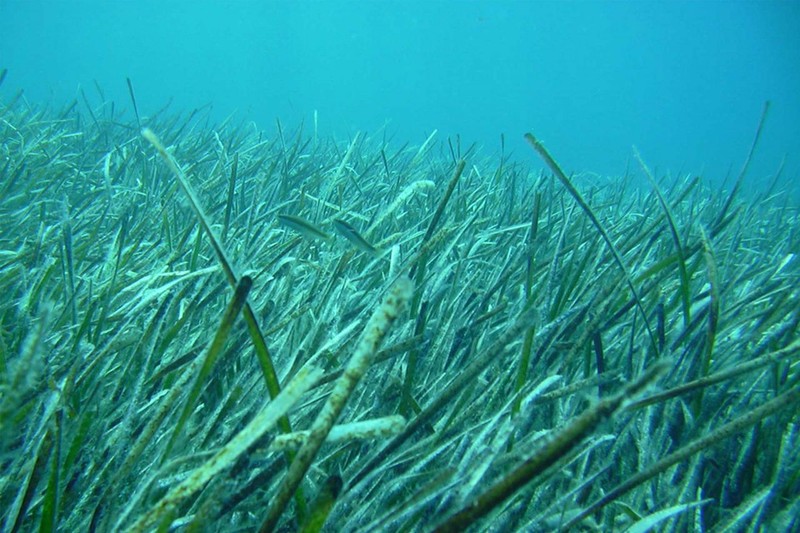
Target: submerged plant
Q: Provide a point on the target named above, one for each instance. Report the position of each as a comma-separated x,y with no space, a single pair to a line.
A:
218,329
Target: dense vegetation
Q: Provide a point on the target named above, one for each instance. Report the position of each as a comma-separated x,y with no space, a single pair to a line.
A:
543,351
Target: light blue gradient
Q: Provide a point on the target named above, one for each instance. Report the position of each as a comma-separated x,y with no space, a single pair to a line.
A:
682,81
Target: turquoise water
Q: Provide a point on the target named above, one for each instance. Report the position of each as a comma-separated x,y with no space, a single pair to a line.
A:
682,81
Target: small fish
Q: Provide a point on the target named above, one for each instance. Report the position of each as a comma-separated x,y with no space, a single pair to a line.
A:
302,226
349,232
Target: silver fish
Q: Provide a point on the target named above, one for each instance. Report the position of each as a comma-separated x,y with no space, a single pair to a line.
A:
347,231
302,226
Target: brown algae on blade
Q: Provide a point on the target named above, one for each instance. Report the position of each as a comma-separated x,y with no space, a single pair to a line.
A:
374,333
225,457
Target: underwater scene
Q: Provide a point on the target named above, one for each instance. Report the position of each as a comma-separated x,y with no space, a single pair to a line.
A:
216,319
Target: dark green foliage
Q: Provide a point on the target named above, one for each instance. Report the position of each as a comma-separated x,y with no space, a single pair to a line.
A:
531,313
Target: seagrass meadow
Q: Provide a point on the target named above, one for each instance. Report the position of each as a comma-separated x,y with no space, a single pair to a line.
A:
207,327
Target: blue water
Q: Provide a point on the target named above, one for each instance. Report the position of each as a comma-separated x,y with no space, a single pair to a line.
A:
682,81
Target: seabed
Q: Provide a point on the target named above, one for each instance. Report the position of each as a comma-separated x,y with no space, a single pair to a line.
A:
205,327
